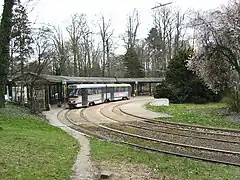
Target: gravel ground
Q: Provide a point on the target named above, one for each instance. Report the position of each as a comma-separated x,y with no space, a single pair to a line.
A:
125,171
167,147
176,138
83,168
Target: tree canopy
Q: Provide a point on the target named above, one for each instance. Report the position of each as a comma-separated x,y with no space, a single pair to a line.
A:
183,85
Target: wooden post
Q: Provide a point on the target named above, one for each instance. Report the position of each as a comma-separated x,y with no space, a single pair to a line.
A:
10,91
136,88
50,94
64,93
59,89
47,101
28,95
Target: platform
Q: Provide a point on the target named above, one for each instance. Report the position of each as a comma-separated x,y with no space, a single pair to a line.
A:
138,108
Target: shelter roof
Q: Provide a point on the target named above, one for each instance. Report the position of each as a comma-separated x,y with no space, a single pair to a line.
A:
52,79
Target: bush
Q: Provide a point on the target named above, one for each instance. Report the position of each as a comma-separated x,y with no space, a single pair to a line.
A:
182,85
199,100
162,91
180,95
232,98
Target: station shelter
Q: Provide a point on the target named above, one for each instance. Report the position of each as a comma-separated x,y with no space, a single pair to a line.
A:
51,89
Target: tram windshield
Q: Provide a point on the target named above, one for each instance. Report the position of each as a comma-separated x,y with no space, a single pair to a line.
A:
74,93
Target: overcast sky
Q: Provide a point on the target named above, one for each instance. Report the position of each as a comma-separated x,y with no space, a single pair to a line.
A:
58,12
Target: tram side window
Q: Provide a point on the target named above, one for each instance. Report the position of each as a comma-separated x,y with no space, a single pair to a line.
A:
79,92
103,90
122,89
93,91
89,91
99,91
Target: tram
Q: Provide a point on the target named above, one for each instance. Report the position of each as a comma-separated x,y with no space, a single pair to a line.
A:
83,95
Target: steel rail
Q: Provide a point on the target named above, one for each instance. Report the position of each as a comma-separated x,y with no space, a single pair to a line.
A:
139,146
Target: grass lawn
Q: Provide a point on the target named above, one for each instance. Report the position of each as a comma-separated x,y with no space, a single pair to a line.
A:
206,114
169,167
32,149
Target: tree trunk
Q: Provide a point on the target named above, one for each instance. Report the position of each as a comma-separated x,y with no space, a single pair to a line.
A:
108,59
5,30
85,64
103,61
79,66
22,73
75,60
31,99
89,62
2,99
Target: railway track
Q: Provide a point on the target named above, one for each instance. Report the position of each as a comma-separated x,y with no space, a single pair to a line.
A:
153,144
226,134
165,129
188,127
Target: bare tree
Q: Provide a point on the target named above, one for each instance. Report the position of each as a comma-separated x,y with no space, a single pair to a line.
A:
217,34
180,28
96,57
43,48
164,23
165,38
106,34
217,58
87,53
133,23
132,65
44,54
141,48
59,46
76,30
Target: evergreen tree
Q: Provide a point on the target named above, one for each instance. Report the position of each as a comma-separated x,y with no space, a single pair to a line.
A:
182,85
133,68
5,29
21,39
155,46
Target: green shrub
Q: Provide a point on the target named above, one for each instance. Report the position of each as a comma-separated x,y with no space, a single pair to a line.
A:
162,91
182,85
232,98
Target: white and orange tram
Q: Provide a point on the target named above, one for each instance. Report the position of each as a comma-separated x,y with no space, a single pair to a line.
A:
83,95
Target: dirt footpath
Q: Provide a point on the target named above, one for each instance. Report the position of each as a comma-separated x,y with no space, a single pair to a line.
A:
83,168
